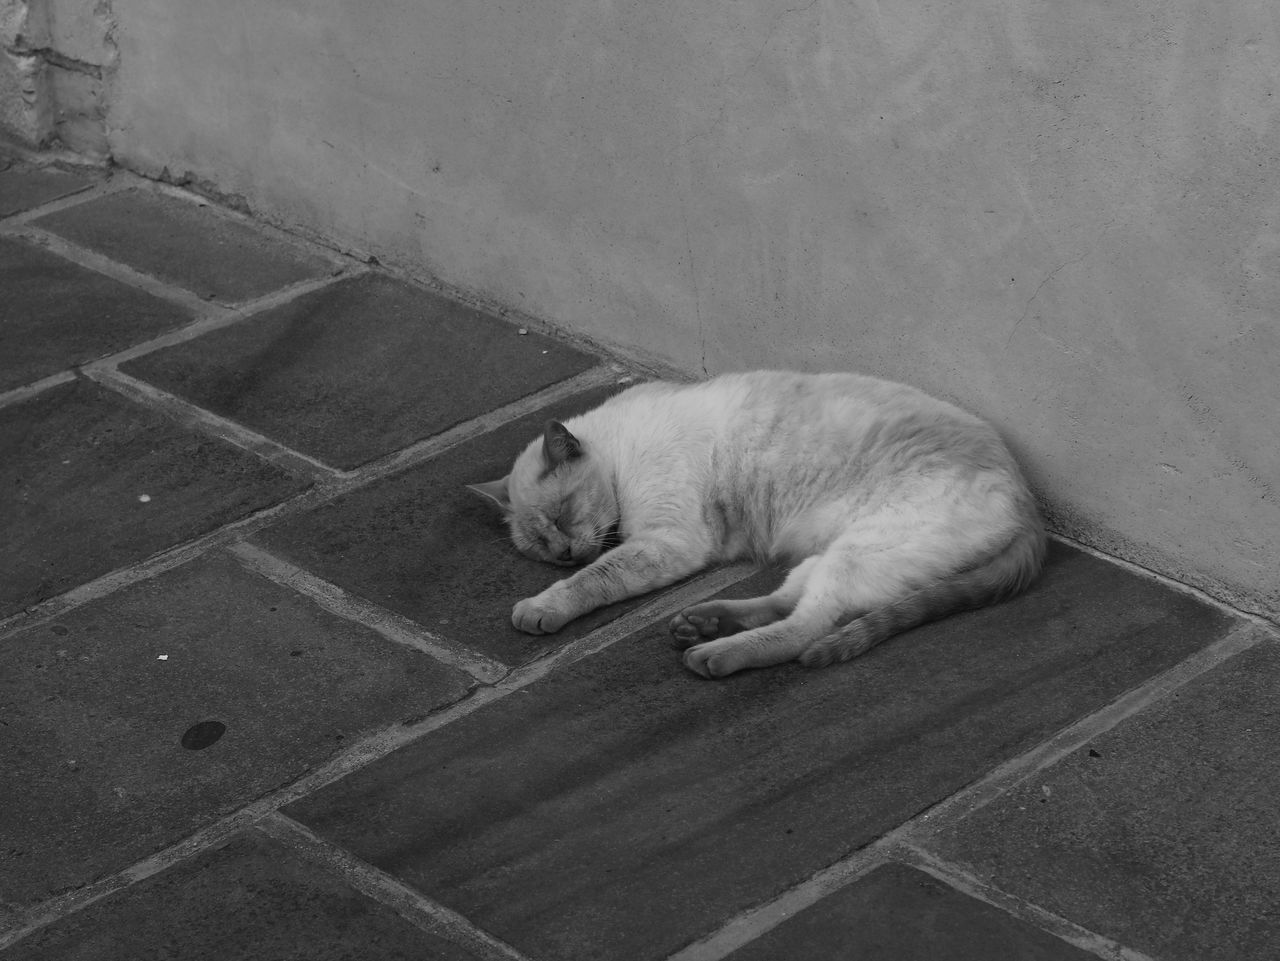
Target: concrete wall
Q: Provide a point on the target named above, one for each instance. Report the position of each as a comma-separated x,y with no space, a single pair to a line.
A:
1065,216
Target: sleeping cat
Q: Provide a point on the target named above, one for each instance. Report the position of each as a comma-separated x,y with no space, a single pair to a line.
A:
894,508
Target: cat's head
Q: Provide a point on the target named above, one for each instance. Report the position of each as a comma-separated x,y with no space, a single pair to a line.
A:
558,501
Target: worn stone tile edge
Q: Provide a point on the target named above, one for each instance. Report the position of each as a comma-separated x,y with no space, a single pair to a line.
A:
408,903
100,264
394,627
18,395
1049,752
203,421
112,185
1047,921
1165,580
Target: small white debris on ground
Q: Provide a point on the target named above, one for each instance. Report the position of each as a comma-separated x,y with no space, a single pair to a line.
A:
145,498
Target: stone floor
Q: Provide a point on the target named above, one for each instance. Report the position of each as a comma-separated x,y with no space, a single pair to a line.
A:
260,697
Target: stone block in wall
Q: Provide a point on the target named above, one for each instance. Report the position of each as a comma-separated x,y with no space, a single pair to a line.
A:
26,108
83,31
79,111
23,27
53,56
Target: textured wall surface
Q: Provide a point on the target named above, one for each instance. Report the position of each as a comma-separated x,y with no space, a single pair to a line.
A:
25,103
56,58
1063,216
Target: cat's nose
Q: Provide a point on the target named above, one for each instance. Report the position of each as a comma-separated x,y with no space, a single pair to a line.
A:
566,556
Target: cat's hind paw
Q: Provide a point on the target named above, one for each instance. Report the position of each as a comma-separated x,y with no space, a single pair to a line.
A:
701,660
688,629
716,659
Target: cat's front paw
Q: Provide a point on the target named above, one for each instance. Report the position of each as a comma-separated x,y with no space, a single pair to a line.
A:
538,615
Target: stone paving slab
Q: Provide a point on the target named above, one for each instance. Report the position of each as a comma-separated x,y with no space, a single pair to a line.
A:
55,314
251,900
420,544
622,806
75,461
899,914
1164,833
360,368
25,187
106,760
185,244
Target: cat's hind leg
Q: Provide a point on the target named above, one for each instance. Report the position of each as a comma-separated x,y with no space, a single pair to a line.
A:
861,571
722,618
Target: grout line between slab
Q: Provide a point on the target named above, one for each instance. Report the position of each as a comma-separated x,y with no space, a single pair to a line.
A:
412,905
156,564
419,451
365,752
1166,581
750,924
19,394
394,627
917,831
1049,752
208,318
255,222
98,263
206,422
1060,927
226,316
112,185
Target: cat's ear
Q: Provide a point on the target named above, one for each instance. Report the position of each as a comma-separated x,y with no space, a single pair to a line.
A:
558,445
495,492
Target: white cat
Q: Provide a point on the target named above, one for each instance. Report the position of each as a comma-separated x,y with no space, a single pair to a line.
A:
894,508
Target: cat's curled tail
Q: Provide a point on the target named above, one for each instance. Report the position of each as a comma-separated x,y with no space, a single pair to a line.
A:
999,577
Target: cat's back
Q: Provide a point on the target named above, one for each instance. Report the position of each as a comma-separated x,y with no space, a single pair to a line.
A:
782,407
759,411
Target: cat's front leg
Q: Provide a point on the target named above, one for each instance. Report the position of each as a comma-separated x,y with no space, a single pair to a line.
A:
635,567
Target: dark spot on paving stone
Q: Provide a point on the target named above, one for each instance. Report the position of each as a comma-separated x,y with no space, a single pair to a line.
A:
1093,753
203,734
108,703
294,653
59,630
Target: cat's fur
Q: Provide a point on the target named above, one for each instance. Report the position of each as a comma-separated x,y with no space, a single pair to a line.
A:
895,508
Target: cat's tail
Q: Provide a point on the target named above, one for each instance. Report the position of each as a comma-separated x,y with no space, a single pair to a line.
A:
999,577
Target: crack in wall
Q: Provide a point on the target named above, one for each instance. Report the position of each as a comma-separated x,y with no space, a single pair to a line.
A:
55,59
693,281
